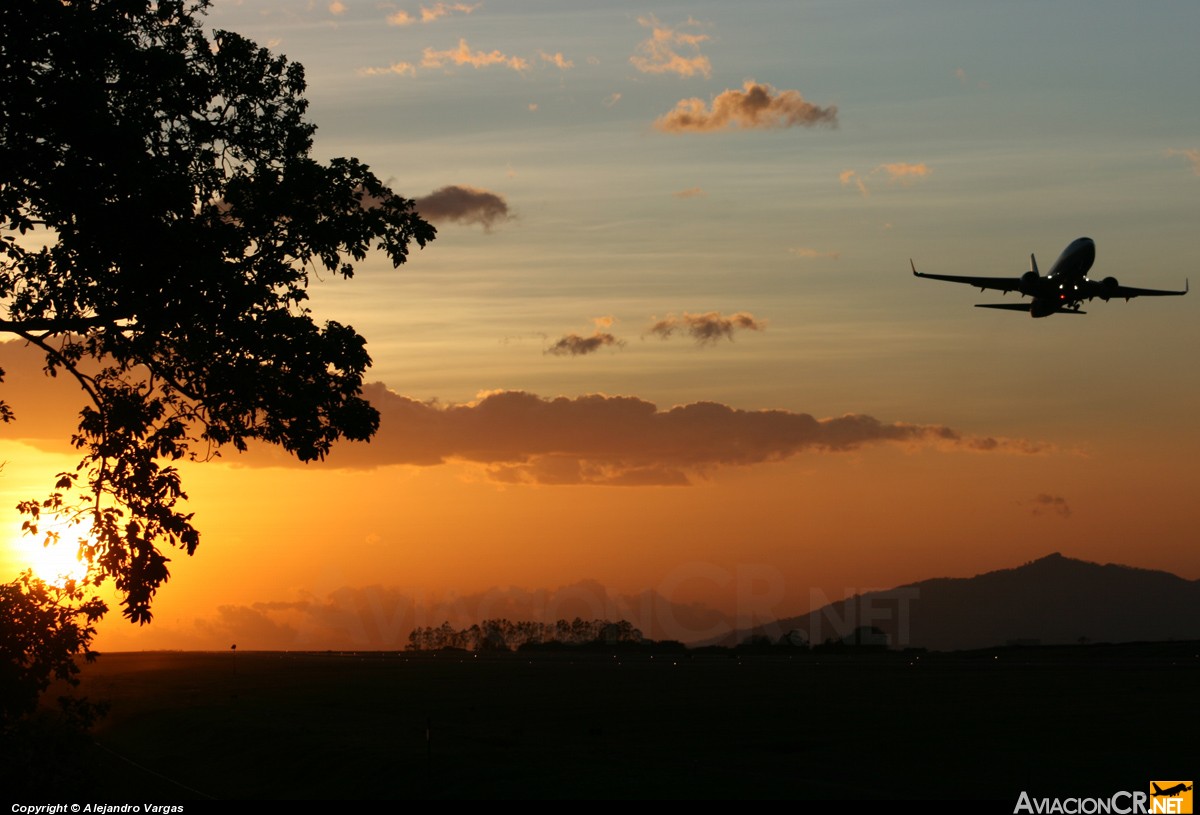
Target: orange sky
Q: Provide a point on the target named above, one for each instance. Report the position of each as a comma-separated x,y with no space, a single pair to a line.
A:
616,383
383,544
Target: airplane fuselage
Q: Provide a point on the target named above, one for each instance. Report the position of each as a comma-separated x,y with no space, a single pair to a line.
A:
1060,288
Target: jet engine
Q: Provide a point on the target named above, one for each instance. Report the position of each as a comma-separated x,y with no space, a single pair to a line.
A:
1029,282
1109,286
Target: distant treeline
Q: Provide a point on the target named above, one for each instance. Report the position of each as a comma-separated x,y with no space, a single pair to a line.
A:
528,635
506,635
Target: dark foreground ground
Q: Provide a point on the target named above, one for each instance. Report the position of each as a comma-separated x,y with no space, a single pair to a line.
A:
1083,721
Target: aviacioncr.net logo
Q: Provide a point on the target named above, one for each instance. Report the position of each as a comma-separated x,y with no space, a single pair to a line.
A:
1174,797
1163,798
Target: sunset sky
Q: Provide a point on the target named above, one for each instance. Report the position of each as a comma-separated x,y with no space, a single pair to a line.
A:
682,233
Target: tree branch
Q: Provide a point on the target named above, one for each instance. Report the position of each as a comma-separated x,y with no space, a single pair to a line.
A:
86,382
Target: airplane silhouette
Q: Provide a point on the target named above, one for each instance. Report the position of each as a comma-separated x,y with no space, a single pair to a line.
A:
1063,290
1178,789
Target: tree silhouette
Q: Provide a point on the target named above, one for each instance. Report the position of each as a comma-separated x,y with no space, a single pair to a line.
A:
160,220
42,628
506,635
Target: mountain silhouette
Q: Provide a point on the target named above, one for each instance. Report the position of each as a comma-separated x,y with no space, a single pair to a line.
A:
1052,600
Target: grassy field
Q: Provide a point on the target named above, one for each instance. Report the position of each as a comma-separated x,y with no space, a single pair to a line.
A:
1084,721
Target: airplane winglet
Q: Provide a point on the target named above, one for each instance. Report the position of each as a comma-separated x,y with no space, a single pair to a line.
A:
913,265
1033,264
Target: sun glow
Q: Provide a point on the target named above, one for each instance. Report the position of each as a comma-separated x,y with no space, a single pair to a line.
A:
54,560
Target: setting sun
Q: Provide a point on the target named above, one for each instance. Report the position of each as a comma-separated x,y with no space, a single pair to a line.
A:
55,561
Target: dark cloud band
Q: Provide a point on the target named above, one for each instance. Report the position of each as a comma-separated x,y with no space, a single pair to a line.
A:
613,440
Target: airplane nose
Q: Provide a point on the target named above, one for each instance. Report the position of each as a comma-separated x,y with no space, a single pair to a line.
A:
1084,252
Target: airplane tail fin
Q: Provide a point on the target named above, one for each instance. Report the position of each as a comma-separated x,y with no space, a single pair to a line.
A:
1033,265
1157,788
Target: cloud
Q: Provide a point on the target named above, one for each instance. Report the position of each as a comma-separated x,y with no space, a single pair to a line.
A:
961,76
438,10
659,54
848,177
463,55
337,7
899,171
253,626
755,107
1045,504
612,99
1191,155
709,327
431,13
401,68
522,438
574,345
464,205
557,59
903,171
690,192
805,252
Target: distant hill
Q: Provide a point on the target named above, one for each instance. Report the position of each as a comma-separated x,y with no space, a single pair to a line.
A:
1052,600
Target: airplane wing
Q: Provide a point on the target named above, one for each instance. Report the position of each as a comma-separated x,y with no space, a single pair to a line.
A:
1021,307
981,283
1126,292
1110,289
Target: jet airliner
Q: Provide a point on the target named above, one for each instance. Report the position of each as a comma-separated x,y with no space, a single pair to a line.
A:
1062,290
